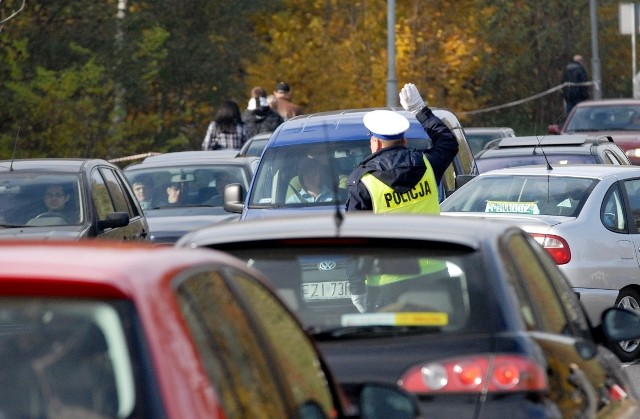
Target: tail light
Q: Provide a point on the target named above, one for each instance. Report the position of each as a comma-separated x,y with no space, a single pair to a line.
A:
556,246
476,374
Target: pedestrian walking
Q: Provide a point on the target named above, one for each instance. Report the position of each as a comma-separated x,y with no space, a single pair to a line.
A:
286,108
575,72
259,117
227,129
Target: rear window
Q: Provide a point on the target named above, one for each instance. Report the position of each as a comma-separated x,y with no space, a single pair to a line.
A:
544,195
492,163
67,358
419,290
605,118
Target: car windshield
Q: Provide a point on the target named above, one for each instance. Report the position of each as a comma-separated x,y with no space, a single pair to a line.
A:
40,199
491,163
310,174
606,118
522,194
185,186
65,353
410,290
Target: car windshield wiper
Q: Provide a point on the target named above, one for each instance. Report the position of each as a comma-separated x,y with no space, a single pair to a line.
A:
4,225
369,331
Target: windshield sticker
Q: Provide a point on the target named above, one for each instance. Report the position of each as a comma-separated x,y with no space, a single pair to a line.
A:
396,319
513,207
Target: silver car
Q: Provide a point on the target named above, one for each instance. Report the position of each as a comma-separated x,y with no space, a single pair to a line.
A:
586,216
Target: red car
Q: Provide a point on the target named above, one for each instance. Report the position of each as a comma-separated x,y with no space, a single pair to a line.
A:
102,329
618,118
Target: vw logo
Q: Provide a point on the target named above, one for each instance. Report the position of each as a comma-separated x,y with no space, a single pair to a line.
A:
326,265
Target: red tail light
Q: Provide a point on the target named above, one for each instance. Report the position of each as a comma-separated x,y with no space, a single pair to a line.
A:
556,246
475,374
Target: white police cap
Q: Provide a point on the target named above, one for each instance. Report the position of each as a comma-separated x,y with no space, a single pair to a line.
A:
386,125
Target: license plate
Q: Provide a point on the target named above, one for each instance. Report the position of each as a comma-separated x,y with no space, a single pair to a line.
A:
328,290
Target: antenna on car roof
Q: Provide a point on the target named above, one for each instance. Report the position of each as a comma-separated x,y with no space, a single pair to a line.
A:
542,149
337,217
15,146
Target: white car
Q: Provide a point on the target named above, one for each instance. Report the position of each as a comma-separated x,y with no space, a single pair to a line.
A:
586,216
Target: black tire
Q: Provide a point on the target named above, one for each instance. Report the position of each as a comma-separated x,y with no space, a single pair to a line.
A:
627,351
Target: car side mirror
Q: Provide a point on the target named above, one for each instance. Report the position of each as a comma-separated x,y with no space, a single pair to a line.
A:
553,129
233,198
114,220
381,400
619,325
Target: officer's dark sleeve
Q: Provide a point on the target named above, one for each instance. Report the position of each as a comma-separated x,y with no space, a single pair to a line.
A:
445,145
355,275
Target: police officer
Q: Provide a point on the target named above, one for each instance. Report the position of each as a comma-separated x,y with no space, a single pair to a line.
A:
394,178
397,179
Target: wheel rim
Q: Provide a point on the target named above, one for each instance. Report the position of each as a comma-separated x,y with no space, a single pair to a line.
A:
629,303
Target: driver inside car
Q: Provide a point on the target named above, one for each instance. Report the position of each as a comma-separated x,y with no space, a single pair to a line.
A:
55,198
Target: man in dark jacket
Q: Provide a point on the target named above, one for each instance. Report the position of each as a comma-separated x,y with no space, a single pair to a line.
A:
395,178
575,72
259,117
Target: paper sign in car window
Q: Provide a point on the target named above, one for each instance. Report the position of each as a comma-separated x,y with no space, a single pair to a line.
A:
512,207
396,319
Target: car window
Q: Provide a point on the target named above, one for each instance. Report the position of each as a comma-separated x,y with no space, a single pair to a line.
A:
22,199
632,188
522,194
539,297
604,118
278,182
304,375
235,358
100,195
609,157
612,212
68,358
436,291
527,158
117,192
198,184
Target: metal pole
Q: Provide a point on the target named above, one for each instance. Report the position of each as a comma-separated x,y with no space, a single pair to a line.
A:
595,60
634,28
392,83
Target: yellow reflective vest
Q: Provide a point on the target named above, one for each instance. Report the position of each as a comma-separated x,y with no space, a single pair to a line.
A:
421,199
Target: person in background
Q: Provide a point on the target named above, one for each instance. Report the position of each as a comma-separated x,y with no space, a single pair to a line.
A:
259,117
574,72
227,130
142,191
395,178
286,108
173,194
272,100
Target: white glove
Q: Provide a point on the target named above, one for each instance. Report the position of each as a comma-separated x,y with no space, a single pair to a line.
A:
410,98
360,301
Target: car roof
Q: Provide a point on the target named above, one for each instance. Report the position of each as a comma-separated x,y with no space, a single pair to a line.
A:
551,140
92,268
608,102
336,125
53,164
464,232
474,130
183,158
579,170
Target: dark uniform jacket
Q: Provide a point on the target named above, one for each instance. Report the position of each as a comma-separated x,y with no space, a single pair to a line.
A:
402,168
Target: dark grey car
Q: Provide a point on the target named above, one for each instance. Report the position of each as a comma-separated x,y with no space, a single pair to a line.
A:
96,200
